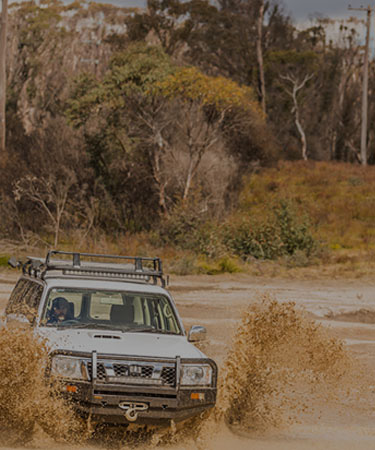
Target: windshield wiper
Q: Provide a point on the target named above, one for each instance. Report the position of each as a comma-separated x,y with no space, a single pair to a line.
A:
149,330
106,326
142,330
103,326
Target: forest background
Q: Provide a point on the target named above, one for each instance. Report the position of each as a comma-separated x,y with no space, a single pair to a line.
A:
220,136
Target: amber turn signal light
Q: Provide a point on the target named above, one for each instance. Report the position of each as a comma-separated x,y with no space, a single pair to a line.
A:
70,388
197,396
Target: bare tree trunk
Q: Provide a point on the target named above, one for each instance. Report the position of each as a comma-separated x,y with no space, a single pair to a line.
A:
196,154
262,84
354,150
300,130
3,39
157,172
332,146
188,180
365,93
297,86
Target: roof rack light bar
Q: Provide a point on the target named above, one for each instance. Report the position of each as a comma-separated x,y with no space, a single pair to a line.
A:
124,267
137,260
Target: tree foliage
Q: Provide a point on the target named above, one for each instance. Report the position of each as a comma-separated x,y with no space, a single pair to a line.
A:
163,108
149,112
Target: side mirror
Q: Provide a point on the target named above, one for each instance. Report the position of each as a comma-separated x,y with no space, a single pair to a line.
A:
197,333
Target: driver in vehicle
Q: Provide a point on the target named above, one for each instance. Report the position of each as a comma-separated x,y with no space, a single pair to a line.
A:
59,311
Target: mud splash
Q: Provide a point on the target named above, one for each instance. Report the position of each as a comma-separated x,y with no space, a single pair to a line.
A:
279,363
27,403
280,366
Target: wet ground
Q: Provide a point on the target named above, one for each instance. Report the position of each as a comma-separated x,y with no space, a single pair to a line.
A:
346,307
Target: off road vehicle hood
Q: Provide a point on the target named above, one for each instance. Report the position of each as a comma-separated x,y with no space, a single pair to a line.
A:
121,344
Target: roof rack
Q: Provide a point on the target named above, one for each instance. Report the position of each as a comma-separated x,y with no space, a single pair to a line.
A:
134,268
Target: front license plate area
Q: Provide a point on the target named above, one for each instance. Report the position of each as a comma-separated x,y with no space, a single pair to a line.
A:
134,380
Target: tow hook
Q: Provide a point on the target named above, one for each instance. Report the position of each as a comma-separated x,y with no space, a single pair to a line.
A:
131,414
132,409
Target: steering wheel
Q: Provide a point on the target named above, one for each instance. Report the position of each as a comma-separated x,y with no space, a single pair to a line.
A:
69,321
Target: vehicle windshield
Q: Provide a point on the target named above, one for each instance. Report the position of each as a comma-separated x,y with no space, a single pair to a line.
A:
117,310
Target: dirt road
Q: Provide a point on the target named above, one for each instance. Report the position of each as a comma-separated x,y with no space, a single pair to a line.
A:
347,307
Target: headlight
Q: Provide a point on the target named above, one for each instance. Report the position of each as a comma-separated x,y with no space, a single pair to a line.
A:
193,375
65,367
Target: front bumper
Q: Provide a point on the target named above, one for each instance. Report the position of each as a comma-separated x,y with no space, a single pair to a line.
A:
103,402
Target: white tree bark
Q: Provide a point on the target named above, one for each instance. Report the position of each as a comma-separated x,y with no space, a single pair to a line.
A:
50,195
296,87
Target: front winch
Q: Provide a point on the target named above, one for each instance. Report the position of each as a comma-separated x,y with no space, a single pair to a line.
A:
132,409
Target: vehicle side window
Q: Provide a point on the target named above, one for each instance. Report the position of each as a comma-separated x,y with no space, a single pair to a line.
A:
25,299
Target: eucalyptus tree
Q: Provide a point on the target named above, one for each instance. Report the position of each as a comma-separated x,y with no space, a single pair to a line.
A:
151,123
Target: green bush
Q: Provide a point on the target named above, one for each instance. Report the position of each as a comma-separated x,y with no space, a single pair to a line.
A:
284,233
251,239
294,232
188,229
4,260
180,229
228,265
223,265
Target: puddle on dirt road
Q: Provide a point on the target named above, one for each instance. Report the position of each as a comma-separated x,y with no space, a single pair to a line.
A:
281,368
361,315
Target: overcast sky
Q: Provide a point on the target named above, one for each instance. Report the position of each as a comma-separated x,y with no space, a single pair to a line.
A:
301,9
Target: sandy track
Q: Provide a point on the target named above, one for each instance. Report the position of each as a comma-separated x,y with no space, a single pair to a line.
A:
217,302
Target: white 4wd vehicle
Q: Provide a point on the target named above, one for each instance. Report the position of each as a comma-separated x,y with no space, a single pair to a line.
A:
116,339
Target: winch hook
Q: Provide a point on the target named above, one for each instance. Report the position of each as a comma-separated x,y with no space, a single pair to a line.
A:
131,414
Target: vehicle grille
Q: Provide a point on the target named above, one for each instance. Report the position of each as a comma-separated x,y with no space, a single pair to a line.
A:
122,370
168,375
100,372
136,372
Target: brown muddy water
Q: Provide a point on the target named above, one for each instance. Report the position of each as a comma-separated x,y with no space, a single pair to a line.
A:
292,376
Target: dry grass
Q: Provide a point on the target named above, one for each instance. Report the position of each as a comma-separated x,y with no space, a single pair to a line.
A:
338,198
336,264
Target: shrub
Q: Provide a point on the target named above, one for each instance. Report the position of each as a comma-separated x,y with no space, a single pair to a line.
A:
185,265
223,265
4,260
294,232
280,232
180,229
251,239
283,233
188,228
